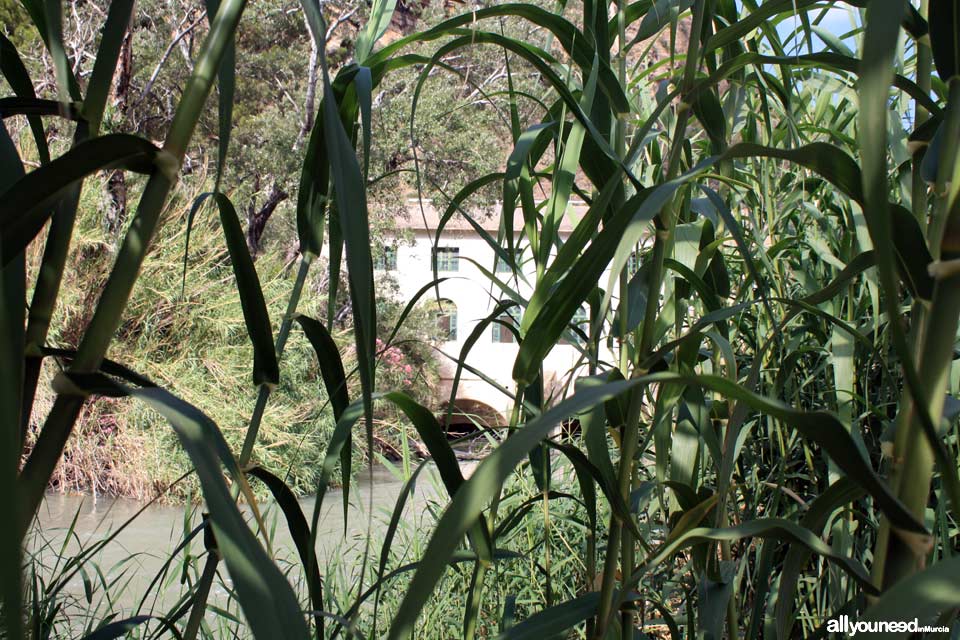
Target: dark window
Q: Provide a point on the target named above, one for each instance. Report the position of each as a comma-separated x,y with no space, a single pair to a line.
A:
500,333
446,258
447,320
505,267
386,261
633,263
580,321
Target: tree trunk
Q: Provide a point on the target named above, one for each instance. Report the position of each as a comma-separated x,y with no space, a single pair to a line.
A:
257,218
311,97
117,183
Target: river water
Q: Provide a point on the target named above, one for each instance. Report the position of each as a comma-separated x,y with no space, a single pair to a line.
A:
132,560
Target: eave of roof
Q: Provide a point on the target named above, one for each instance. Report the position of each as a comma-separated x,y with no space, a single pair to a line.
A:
424,216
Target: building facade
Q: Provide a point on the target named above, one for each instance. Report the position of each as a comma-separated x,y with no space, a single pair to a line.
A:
466,297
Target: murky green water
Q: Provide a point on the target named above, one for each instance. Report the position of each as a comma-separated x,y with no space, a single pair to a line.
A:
131,561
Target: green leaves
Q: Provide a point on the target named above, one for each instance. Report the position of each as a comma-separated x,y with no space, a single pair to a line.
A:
267,599
350,190
331,366
475,494
15,73
568,37
121,628
906,242
775,268
300,532
22,216
759,528
12,294
312,194
27,204
828,161
542,327
922,596
555,620
101,78
835,497
945,37
265,368
227,85
470,501
824,429
433,437
381,13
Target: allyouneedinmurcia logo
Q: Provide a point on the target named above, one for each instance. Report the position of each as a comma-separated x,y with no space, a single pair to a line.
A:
843,624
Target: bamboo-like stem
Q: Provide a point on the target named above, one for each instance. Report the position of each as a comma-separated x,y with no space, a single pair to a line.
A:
920,207
627,543
609,574
43,459
56,249
200,599
899,554
264,393
45,292
109,309
665,222
12,279
474,598
918,195
631,428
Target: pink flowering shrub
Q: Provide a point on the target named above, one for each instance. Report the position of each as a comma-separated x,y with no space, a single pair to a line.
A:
402,370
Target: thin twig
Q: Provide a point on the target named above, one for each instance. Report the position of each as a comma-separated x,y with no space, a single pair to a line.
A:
166,54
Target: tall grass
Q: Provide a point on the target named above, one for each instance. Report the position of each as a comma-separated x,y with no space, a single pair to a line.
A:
773,442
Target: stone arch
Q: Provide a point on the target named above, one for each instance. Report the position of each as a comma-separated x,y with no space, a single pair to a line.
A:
469,416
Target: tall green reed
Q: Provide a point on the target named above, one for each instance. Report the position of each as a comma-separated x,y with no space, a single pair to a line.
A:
722,445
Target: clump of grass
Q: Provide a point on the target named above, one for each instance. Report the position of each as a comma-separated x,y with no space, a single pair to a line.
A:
184,328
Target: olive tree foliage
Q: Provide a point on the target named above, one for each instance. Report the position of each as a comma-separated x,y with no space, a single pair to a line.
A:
461,127
15,23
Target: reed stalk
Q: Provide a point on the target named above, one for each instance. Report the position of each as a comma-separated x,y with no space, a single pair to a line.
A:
900,554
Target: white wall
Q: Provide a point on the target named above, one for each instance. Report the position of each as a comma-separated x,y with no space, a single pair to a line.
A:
475,298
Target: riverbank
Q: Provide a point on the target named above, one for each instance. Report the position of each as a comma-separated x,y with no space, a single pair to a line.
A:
151,549
95,558
184,329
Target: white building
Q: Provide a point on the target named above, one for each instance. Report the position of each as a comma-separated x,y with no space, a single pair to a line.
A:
466,297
